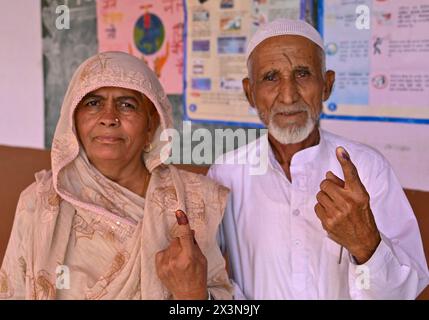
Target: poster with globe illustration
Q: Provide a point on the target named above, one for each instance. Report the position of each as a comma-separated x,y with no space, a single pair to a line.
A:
151,30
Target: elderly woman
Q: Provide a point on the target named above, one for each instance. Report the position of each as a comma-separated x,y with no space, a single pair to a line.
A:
111,221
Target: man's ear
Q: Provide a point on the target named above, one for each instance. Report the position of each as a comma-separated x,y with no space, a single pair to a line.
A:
247,91
329,84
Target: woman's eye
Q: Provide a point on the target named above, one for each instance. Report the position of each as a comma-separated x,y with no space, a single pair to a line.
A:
93,103
127,106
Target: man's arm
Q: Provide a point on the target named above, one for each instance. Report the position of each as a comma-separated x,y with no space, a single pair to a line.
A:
398,268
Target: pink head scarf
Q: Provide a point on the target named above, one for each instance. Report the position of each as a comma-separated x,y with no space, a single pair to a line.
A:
108,69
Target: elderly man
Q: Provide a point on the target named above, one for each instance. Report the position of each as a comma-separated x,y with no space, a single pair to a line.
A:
328,219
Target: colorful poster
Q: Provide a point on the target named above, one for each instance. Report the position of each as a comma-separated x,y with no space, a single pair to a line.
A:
379,50
399,46
346,50
151,30
217,32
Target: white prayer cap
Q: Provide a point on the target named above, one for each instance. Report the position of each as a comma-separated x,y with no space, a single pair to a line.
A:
280,27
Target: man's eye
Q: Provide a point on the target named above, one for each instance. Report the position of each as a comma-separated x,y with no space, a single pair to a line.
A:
271,76
302,73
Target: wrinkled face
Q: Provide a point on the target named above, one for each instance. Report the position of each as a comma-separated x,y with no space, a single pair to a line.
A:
287,86
115,124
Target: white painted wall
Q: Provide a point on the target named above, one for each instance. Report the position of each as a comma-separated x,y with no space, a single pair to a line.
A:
406,146
21,74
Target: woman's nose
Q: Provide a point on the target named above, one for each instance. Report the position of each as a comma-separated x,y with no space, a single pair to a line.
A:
110,122
110,118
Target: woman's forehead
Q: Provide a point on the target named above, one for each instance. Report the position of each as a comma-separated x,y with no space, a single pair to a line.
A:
117,92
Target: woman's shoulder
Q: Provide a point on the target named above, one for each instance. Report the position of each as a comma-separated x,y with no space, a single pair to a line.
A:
42,178
42,185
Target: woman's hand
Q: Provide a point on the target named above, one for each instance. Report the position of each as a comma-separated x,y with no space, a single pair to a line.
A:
182,267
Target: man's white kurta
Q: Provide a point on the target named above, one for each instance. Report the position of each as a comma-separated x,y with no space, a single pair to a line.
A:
277,247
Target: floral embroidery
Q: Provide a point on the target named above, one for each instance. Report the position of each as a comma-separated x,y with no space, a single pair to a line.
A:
82,228
23,265
6,290
165,197
43,288
99,289
107,229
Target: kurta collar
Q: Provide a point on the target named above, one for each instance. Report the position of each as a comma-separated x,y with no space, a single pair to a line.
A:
302,157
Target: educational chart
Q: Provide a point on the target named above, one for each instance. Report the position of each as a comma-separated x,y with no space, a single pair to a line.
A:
217,32
379,50
151,30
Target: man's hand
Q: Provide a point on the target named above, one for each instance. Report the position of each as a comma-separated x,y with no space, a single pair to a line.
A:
182,267
344,210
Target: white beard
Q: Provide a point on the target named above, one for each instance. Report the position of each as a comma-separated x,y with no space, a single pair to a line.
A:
292,133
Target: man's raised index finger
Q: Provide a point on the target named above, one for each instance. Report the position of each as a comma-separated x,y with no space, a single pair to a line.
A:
351,176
